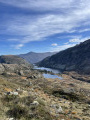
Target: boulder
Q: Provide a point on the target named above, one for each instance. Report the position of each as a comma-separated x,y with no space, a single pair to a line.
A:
21,73
35,103
58,109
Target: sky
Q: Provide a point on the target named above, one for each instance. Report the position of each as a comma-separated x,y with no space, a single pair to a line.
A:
42,25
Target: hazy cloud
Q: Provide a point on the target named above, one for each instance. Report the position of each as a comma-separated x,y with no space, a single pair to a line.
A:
54,44
18,46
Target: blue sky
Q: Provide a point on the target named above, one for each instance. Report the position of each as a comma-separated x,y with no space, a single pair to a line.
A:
42,25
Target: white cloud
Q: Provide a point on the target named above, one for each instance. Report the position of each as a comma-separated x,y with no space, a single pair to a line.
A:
69,44
78,40
54,44
61,47
70,15
42,27
18,46
74,40
40,4
84,30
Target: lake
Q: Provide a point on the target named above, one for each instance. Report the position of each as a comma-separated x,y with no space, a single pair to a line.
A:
50,70
52,76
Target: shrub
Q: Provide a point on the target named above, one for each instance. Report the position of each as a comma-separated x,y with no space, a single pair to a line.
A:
9,98
43,113
17,111
69,96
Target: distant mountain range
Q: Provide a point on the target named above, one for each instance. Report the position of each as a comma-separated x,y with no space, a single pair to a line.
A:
75,58
33,57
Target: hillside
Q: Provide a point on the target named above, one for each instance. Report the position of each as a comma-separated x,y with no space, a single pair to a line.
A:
25,94
12,59
13,64
33,97
75,58
33,57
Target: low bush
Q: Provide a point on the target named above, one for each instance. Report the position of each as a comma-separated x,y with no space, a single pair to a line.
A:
69,96
17,111
9,98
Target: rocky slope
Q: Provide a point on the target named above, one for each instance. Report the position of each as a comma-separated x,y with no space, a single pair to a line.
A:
26,95
75,58
36,98
12,59
33,57
13,64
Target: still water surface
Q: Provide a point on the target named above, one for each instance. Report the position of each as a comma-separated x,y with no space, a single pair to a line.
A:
49,75
52,76
48,69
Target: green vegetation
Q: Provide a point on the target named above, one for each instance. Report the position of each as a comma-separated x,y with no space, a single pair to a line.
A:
18,111
22,108
69,96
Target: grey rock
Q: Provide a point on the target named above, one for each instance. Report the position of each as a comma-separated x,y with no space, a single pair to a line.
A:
12,93
58,109
11,118
21,72
35,103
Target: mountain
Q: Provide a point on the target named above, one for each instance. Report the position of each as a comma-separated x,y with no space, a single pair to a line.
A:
33,57
76,58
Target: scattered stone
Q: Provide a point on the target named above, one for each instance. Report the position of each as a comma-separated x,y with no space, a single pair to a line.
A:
57,108
12,93
30,83
11,119
21,73
35,103
18,89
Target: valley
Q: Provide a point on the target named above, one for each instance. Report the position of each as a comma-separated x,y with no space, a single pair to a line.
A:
43,92
44,59
28,95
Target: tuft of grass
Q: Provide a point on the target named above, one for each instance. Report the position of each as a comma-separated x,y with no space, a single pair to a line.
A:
43,113
41,102
9,98
18,111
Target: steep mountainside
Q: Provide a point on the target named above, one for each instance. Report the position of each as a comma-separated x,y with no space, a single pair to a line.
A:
75,58
33,57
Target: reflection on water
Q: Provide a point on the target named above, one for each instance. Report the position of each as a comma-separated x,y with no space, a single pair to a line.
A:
48,69
49,75
52,76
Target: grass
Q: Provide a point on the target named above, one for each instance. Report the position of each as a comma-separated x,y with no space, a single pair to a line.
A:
17,111
9,98
21,108
69,96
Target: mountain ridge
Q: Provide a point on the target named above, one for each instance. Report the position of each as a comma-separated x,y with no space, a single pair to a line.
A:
34,57
76,58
